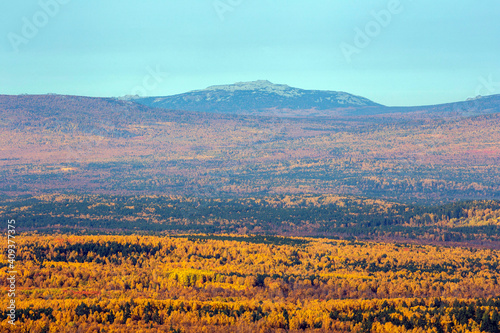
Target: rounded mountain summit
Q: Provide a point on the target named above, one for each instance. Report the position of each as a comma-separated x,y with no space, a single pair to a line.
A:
261,97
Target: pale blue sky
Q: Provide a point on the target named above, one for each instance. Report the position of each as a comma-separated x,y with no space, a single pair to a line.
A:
426,52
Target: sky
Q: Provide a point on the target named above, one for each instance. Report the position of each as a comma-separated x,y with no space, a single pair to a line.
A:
394,52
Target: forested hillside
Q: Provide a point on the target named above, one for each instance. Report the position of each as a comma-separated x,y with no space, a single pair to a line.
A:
104,146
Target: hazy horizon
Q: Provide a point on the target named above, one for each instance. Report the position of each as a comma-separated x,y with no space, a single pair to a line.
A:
195,90
396,53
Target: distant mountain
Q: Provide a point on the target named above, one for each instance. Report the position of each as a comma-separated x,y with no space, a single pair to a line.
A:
261,97
265,98
471,107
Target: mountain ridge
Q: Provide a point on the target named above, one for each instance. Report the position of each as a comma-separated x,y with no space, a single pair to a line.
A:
259,97
264,98
255,98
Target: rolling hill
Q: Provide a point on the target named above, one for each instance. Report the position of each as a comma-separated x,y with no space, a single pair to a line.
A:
74,144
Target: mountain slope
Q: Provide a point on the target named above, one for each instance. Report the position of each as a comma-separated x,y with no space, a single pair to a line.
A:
259,97
101,116
264,98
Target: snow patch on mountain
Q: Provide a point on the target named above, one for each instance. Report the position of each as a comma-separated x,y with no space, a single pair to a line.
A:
257,86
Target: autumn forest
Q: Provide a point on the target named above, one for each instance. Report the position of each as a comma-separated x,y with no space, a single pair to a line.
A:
204,283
